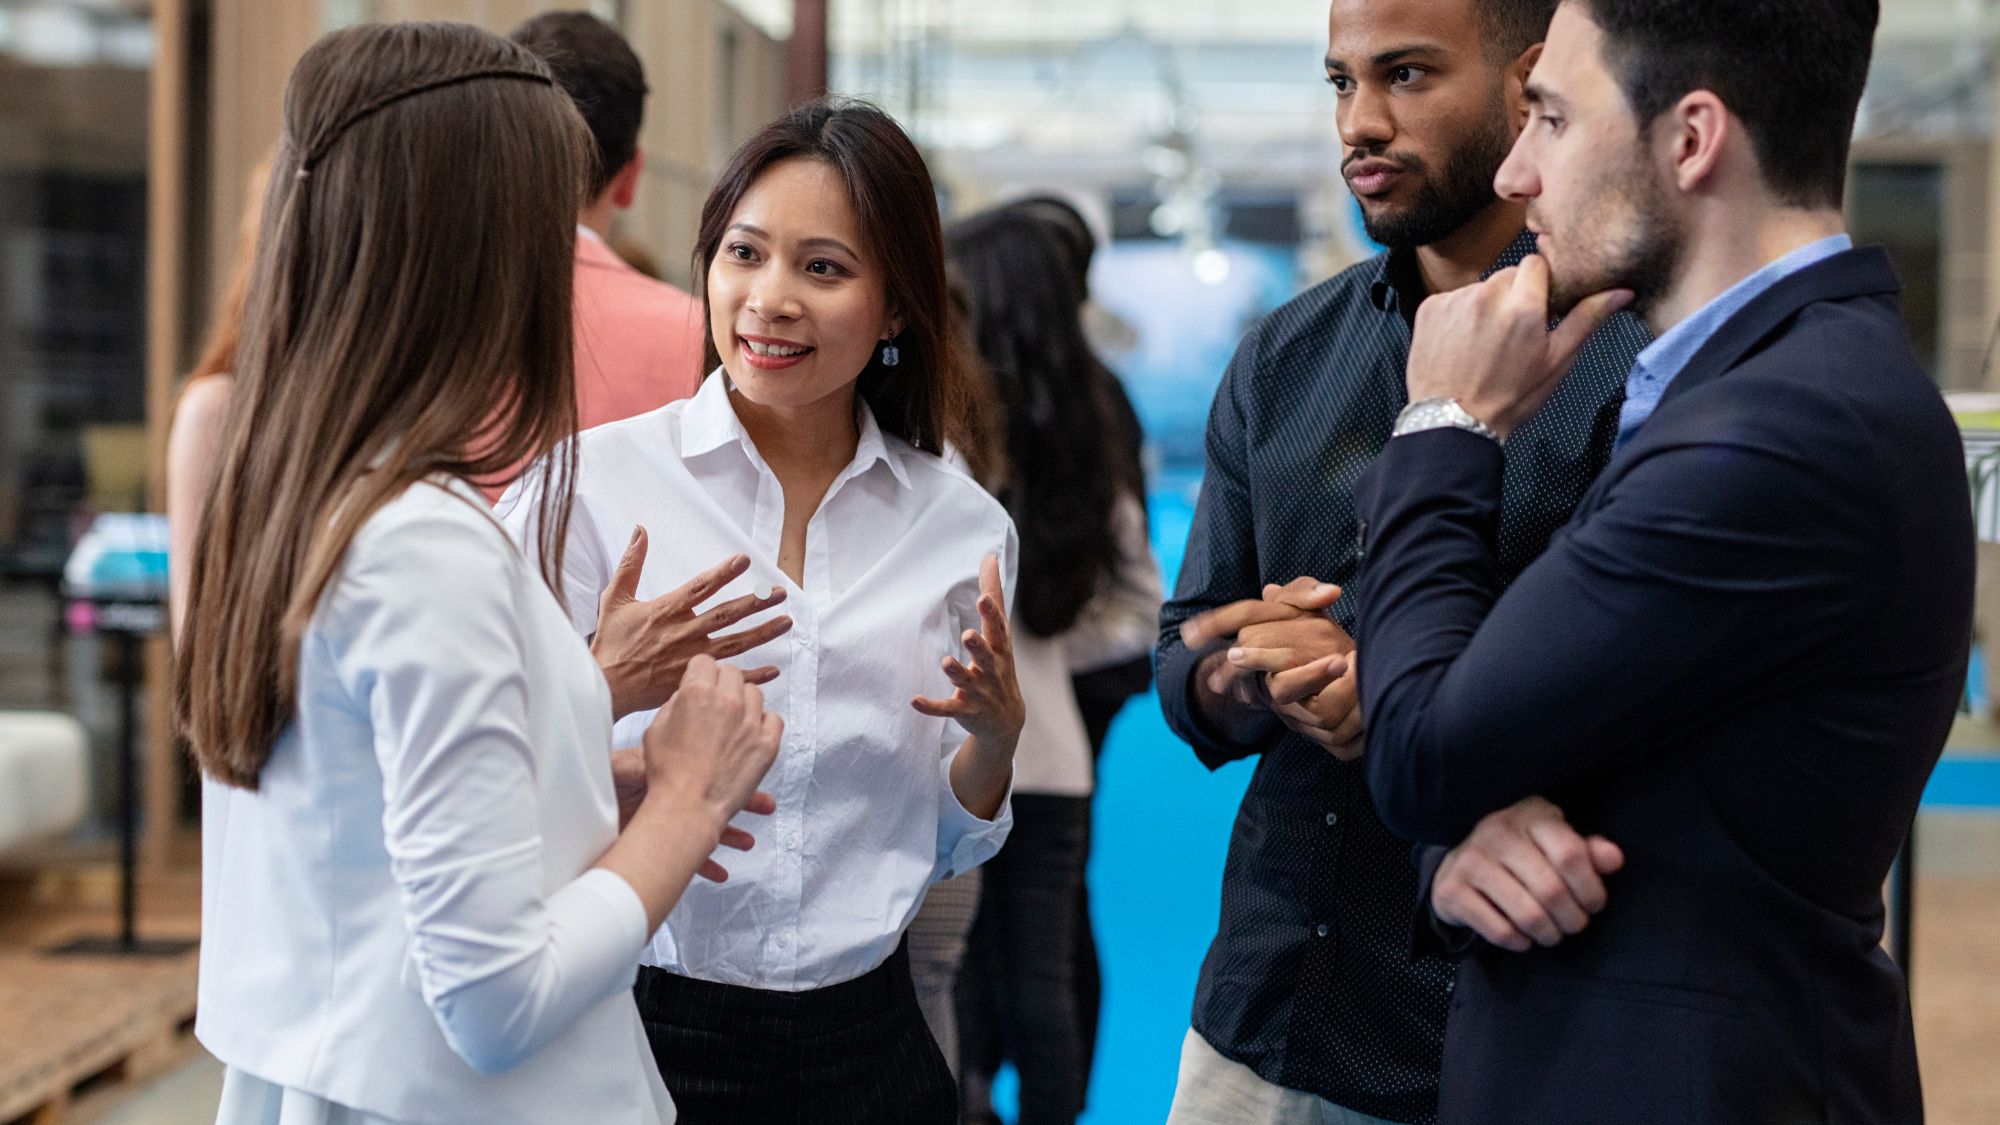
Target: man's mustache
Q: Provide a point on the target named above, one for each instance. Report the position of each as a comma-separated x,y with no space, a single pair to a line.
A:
1403,162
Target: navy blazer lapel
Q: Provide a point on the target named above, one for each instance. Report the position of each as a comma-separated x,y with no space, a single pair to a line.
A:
1862,272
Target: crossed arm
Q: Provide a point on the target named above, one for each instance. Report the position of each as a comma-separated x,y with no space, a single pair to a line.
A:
1624,638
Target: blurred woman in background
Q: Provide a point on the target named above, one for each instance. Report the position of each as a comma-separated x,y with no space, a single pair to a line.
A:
1082,534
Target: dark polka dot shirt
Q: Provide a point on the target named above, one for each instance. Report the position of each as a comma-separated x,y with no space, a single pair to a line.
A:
1311,980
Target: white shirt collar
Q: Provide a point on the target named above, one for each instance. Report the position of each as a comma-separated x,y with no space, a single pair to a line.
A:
710,422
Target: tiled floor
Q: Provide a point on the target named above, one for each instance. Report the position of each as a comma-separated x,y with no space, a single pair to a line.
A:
185,1097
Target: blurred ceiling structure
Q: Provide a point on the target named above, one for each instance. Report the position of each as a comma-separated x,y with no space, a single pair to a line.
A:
1095,94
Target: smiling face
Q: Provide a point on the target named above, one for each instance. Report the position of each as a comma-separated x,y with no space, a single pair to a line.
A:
796,301
1598,202
1422,111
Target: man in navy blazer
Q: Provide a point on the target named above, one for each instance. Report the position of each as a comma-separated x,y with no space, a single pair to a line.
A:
1734,670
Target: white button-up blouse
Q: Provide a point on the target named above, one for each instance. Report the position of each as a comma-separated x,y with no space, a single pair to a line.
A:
866,818
404,918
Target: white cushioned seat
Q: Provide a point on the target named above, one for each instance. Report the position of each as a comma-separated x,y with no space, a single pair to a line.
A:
44,776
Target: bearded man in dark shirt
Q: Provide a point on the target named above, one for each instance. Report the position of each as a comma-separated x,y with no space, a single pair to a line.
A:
1312,1005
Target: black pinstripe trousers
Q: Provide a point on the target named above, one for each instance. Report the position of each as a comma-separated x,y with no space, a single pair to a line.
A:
854,1053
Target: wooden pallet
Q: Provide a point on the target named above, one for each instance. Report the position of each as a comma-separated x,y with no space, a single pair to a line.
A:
78,1033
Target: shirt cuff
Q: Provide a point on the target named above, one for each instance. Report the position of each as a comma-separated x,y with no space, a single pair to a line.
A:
1430,935
608,921
964,840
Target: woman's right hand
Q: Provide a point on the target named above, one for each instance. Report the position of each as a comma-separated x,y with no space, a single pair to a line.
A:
644,647
709,746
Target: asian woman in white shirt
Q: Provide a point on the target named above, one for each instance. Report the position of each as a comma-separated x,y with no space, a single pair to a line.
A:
816,447
418,901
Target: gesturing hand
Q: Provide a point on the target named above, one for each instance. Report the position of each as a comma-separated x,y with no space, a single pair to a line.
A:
707,749
987,700
644,647
1489,345
1524,876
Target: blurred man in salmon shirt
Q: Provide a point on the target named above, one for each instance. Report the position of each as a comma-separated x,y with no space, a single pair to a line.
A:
638,341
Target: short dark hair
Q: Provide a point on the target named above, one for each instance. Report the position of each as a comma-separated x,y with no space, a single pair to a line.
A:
1791,70
599,70
1516,25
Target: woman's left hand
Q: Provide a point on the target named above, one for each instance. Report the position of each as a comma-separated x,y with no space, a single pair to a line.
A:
987,702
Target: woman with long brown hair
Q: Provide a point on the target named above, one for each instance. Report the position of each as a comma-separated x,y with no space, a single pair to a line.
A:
418,902
818,447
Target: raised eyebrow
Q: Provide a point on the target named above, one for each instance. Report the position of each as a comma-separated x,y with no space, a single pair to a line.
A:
750,228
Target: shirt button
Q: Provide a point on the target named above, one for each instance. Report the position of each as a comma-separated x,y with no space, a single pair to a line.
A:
1322,929
1332,819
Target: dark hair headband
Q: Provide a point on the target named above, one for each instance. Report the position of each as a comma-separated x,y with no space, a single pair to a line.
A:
315,154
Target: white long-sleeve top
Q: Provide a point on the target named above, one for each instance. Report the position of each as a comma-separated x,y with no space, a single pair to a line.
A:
403,919
1118,623
866,818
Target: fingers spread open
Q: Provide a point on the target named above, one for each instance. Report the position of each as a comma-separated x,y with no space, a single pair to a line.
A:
703,586
939,708
960,676
736,609
736,644
625,577
989,583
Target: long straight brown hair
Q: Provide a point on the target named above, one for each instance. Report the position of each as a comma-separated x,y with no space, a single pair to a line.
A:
927,398
408,318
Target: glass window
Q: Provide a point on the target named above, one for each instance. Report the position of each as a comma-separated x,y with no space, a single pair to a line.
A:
74,90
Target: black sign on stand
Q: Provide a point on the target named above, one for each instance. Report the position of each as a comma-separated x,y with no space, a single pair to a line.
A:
127,622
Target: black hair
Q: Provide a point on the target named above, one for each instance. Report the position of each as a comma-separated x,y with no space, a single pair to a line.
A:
598,69
1791,70
1513,26
1062,440
1071,230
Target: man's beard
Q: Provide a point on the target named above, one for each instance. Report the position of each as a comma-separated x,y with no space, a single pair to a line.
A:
1641,252
1445,202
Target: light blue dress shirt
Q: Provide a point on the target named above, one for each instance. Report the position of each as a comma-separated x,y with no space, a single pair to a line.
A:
1664,359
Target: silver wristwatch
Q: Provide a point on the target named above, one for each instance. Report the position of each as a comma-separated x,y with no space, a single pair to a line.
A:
1437,413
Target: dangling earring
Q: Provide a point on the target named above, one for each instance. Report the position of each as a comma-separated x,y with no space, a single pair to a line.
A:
891,356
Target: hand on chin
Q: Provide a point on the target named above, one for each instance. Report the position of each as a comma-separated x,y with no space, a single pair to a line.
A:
1489,345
